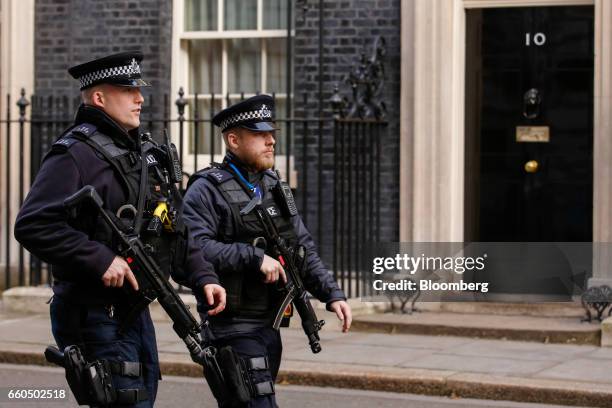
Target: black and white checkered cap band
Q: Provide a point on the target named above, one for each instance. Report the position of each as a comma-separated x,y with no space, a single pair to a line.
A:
263,114
120,71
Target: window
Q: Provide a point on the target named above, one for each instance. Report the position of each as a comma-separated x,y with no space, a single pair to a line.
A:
230,50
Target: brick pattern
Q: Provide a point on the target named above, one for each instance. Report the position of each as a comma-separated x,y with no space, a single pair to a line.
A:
349,28
69,32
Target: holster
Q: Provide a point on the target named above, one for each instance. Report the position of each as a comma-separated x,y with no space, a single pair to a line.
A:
214,376
99,381
236,377
75,366
228,377
91,383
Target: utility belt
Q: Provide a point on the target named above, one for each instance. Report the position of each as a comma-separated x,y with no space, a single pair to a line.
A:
83,293
91,383
229,376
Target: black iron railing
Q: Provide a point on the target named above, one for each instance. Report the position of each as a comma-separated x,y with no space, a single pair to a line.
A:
338,201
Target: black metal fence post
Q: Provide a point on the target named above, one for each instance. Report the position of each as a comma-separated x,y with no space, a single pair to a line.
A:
196,133
36,151
320,181
335,203
304,185
7,221
180,105
212,127
22,104
354,172
342,204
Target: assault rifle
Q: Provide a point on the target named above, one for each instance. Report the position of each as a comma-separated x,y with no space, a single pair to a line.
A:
294,289
156,286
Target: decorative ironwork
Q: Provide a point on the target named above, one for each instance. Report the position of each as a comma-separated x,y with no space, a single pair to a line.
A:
338,103
22,104
355,220
597,298
181,102
367,82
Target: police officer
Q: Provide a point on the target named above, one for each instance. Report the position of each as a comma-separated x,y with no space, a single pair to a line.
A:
92,285
212,209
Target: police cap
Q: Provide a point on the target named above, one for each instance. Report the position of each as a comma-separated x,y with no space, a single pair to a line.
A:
255,114
121,69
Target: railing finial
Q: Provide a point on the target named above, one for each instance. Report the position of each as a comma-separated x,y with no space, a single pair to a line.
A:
181,102
338,103
22,103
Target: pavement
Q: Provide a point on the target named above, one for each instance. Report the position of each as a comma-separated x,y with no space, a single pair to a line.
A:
458,366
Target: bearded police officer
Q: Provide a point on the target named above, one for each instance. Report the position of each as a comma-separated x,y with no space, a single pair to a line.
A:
213,205
92,285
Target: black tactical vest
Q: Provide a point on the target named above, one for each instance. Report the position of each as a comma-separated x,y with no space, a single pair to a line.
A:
247,295
169,248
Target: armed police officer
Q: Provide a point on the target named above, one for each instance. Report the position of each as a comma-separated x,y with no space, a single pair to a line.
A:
94,288
217,210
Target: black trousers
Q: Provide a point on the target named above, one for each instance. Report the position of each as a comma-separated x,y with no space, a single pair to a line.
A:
97,334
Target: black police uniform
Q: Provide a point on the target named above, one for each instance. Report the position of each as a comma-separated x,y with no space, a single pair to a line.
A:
97,151
212,211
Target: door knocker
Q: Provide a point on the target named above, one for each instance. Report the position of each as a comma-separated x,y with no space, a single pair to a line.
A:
531,103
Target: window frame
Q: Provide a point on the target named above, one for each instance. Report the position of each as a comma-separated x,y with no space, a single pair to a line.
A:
181,74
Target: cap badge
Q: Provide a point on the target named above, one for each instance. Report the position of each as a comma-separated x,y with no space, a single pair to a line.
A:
264,112
134,68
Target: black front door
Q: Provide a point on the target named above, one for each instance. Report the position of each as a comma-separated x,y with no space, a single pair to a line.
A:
529,124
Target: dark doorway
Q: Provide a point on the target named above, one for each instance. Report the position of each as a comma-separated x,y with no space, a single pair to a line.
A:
529,124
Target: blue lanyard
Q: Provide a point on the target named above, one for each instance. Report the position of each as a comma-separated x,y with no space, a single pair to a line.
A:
253,188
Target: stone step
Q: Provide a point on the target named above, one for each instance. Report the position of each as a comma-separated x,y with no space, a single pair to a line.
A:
548,309
569,330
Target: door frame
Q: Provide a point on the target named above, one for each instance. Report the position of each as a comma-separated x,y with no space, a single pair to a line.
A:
432,100
17,64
